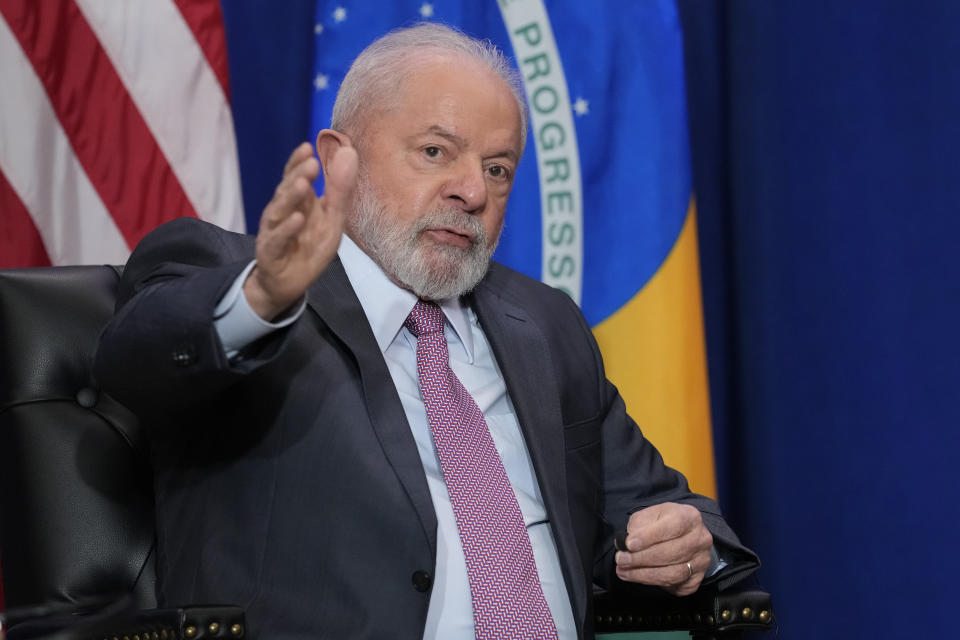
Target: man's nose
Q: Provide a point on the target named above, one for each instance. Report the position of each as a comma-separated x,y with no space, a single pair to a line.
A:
468,188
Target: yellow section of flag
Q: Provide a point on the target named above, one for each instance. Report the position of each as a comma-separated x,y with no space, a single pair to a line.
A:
655,353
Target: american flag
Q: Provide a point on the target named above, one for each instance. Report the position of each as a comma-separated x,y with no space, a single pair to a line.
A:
114,118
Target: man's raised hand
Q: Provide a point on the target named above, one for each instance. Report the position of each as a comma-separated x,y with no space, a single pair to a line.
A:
300,232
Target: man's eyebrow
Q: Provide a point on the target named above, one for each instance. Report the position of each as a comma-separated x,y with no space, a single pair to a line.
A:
460,142
446,134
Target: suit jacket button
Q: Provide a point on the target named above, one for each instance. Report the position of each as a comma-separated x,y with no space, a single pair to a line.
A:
185,356
422,581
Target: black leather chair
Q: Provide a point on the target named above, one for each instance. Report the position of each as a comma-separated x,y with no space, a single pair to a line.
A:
76,504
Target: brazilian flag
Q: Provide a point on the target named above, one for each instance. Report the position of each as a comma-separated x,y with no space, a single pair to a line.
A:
602,205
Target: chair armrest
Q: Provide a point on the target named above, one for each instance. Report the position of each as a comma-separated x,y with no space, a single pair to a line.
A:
706,614
190,623
121,620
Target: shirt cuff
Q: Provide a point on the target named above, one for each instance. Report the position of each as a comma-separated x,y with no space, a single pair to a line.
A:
716,562
237,324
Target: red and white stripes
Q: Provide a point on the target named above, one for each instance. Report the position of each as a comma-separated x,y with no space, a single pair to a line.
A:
114,118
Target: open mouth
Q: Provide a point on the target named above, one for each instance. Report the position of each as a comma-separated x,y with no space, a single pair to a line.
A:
451,236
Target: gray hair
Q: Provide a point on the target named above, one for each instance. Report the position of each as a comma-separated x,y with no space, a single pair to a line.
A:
379,71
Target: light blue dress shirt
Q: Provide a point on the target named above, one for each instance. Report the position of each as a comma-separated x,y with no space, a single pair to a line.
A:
386,305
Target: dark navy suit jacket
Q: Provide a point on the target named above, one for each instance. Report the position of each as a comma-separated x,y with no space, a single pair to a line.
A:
287,479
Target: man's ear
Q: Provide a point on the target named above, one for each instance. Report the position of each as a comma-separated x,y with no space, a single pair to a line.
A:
328,142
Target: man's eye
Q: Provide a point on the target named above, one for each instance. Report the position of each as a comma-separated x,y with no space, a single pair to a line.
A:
432,152
497,171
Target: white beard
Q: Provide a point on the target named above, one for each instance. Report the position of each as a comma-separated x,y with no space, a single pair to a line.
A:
430,270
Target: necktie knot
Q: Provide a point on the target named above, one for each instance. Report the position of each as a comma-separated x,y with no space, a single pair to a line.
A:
426,318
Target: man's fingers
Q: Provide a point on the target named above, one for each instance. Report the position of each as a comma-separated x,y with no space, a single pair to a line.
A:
678,579
303,151
327,219
298,181
669,552
295,193
660,523
276,244
663,576
659,555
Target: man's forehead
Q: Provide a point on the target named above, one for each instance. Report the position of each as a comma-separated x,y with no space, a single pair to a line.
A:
442,77
431,61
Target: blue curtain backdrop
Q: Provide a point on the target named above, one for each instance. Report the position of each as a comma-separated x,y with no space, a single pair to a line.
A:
829,206
823,137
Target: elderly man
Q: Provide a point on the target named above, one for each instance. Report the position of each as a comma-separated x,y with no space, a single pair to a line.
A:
361,426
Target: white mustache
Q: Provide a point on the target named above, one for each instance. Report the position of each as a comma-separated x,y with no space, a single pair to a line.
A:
455,219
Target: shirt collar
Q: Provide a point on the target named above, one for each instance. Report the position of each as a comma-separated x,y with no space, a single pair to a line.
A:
387,305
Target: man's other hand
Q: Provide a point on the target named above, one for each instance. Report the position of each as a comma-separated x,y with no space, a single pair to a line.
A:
300,232
667,545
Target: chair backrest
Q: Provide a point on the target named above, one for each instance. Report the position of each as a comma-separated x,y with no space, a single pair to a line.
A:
76,505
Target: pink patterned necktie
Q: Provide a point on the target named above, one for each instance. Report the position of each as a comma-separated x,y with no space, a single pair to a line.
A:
508,602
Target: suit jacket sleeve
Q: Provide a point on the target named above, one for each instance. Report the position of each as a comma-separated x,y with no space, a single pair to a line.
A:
161,351
607,454
635,477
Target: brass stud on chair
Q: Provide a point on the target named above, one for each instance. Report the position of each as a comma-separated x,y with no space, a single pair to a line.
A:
726,615
747,613
236,630
213,628
709,619
190,632
764,616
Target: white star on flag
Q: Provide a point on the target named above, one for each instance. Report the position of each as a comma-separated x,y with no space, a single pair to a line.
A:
581,107
318,28
339,14
426,10
321,82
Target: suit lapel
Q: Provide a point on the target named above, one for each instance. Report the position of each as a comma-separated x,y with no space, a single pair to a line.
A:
524,358
332,298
